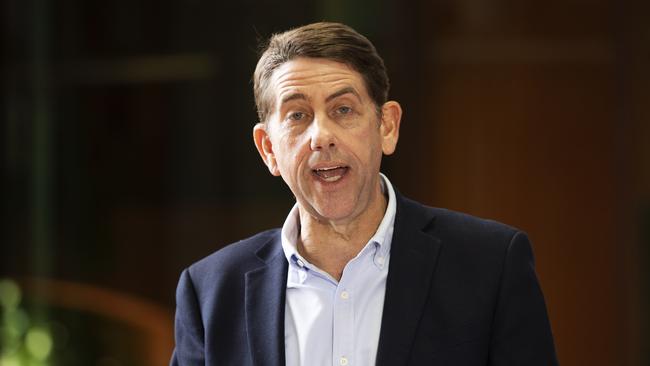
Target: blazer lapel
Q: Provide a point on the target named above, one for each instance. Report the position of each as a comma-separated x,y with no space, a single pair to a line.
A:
265,297
413,259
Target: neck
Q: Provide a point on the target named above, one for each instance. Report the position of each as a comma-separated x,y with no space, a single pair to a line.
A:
331,245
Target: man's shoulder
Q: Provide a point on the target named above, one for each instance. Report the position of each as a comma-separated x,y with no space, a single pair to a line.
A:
239,256
465,241
460,227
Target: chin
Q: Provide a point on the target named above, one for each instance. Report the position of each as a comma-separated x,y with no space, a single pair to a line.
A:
335,212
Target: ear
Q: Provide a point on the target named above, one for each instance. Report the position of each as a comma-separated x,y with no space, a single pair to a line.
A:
265,147
391,115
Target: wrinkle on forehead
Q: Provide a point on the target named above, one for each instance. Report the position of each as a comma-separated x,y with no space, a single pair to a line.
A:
302,72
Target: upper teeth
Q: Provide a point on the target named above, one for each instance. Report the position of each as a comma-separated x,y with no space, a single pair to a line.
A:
334,167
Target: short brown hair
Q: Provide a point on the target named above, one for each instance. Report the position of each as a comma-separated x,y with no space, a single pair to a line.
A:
333,41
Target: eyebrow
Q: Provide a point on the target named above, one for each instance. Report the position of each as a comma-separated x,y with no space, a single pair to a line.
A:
294,96
346,90
301,96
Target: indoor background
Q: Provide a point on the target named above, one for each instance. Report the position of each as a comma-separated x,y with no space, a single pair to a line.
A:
127,155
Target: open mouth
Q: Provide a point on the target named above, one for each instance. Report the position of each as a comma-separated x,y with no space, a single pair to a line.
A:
331,174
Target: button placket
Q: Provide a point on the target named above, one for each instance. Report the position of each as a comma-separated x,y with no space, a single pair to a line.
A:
343,325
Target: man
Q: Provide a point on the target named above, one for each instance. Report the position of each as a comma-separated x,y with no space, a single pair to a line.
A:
358,274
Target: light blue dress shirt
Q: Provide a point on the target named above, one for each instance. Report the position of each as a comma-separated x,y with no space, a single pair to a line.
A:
332,323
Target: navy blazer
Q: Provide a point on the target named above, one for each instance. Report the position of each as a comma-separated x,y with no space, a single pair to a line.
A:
460,291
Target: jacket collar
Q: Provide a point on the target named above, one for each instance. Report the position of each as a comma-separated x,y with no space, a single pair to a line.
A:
413,259
264,300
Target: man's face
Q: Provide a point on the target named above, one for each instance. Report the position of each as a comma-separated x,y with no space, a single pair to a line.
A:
325,137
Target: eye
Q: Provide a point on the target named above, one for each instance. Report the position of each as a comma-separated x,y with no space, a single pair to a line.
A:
344,110
296,116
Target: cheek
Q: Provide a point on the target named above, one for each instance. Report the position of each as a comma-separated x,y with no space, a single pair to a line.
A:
289,153
369,145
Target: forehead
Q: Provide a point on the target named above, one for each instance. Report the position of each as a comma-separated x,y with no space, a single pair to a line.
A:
313,76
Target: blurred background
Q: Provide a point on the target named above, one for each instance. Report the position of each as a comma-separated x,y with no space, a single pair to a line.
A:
127,155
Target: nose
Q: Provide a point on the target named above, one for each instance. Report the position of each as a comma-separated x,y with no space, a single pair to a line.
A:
322,134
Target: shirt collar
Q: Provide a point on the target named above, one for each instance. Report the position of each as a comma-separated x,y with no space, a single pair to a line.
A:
382,238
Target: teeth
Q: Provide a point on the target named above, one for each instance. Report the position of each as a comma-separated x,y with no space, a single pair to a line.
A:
331,174
332,179
326,169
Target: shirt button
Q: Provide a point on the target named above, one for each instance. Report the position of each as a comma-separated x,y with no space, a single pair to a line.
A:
343,361
345,295
380,260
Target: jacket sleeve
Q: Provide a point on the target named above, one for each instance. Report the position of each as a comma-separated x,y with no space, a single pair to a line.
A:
521,334
189,335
